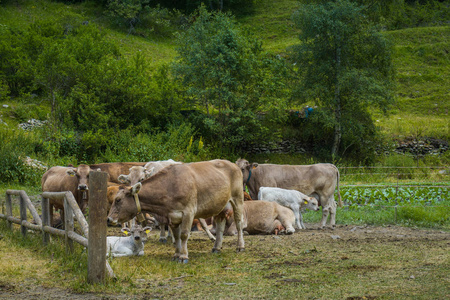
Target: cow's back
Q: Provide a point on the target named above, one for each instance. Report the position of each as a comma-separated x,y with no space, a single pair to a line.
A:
114,170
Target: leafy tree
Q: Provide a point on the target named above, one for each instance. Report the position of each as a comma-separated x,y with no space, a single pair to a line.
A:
226,74
344,64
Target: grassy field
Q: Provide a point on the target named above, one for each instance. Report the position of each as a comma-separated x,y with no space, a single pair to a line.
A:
386,252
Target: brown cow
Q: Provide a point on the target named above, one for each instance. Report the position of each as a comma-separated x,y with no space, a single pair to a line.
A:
264,217
318,180
139,174
61,179
184,192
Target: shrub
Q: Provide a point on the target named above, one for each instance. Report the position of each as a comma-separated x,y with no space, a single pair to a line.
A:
15,147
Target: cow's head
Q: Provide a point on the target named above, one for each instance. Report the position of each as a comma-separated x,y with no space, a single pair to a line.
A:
138,233
137,174
246,169
82,174
124,207
309,203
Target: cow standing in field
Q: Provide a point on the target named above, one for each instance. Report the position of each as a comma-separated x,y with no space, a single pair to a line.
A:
62,179
292,199
264,217
184,192
139,174
318,180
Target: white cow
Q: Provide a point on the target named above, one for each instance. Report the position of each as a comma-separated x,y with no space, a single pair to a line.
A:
118,246
292,199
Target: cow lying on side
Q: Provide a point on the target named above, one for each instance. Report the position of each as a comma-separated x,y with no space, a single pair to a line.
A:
264,217
118,246
292,199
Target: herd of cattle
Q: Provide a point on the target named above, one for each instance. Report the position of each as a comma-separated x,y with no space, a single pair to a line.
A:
180,194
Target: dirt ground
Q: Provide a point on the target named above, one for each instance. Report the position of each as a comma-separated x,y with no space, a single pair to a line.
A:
351,234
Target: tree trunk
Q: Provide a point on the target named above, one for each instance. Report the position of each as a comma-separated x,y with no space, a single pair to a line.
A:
337,108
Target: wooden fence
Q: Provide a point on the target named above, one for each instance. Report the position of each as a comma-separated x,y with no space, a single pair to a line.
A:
93,234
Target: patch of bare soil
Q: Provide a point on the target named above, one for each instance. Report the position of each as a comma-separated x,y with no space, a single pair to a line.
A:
350,234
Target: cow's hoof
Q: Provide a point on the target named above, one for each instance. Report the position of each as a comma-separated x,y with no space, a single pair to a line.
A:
162,240
184,261
214,250
240,250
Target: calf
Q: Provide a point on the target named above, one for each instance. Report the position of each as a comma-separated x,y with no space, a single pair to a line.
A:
292,199
118,246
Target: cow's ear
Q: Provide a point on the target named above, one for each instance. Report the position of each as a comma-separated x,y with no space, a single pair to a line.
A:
147,229
306,202
71,172
254,165
149,173
123,179
136,188
126,230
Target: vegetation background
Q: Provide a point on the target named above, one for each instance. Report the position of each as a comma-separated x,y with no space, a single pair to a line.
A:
106,81
115,81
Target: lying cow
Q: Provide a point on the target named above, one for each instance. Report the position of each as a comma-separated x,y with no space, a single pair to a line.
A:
318,180
264,217
131,245
292,199
61,179
183,192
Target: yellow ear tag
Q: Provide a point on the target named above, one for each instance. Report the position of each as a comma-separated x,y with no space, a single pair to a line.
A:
306,202
126,232
72,175
147,231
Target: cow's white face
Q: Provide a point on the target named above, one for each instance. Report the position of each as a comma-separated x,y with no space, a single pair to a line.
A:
310,203
138,233
137,174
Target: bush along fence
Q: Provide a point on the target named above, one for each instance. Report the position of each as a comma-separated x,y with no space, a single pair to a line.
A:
94,233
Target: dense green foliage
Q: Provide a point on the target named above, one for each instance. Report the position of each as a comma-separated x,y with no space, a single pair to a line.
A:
227,76
106,75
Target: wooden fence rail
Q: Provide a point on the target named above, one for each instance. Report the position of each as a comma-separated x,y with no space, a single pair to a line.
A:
96,257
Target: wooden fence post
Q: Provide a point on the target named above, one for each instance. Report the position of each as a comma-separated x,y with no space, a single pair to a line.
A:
45,219
68,225
9,210
23,215
97,226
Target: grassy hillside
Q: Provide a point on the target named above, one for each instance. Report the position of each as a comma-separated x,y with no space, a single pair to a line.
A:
421,55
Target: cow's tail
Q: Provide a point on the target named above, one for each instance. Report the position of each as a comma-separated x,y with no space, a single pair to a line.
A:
340,203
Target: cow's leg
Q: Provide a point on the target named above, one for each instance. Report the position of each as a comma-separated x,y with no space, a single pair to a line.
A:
185,231
325,212
176,231
219,222
333,212
286,224
238,210
206,229
298,216
162,233
302,226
